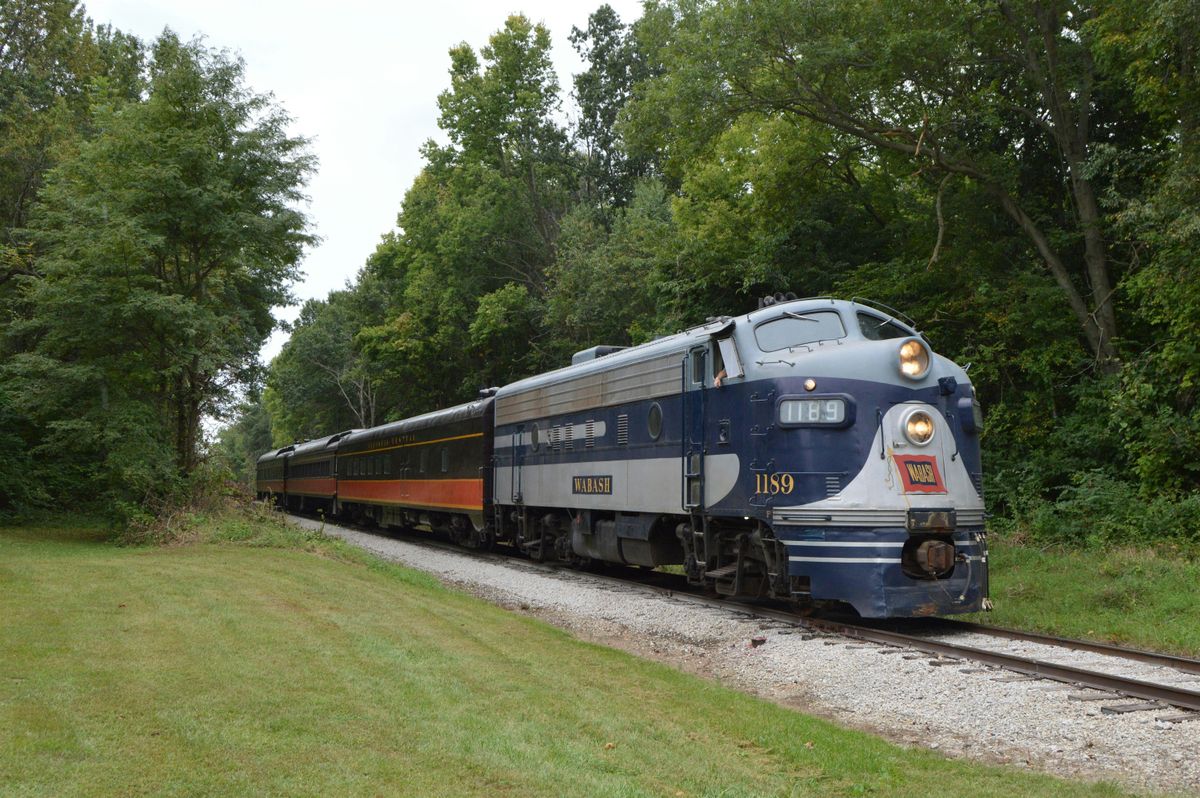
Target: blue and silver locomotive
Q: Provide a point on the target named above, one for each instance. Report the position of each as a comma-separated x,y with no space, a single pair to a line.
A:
816,450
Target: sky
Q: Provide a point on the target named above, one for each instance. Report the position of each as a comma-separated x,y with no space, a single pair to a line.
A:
359,78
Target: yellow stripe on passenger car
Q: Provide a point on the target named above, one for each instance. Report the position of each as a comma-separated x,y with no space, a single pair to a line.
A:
418,443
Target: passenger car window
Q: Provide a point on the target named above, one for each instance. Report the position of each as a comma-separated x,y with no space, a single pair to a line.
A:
877,329
797,329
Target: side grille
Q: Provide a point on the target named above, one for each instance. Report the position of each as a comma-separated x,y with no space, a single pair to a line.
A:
568,437
589,434
556,438
622,430
977,481
833,484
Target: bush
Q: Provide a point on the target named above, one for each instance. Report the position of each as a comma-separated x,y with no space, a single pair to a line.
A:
1097,509
178,516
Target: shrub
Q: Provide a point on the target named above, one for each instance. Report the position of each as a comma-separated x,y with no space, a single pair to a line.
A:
1097,509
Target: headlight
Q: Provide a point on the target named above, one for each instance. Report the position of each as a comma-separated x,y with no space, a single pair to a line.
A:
918,427
914,359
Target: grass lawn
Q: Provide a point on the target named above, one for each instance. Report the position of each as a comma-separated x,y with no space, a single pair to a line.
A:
275,662
1144,598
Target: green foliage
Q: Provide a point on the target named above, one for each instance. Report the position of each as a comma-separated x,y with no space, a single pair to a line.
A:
240,444
161,242
1099,510
505,323
606,281
615,66
322,370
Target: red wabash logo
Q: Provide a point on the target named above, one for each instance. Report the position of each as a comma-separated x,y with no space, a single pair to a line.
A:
919,473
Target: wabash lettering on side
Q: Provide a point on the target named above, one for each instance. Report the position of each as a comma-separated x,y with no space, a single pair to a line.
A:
592,485
919,473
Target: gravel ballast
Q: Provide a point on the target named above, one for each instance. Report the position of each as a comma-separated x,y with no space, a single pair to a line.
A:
957,708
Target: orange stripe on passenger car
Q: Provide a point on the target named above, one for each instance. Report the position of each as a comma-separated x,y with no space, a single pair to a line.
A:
458,494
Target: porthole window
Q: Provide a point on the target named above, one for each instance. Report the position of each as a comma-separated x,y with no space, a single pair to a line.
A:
654,421
535,437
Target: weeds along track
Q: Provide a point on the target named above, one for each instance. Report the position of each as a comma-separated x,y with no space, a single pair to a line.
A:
1123,679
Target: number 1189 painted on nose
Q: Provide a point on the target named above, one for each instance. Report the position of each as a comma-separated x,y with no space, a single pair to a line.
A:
772,484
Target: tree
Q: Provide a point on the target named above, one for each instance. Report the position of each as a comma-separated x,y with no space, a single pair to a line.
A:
240,444
322,377
508,166
53,66
478,230
1003,94
1154,48
606,286
615,65
163,242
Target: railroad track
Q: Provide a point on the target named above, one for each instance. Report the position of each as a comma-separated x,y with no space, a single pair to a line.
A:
1144,695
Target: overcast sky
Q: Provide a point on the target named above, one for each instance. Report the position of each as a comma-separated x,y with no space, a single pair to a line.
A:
361,79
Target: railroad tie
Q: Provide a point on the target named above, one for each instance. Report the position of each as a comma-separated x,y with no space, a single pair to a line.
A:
1092,697
1181,718
1121,709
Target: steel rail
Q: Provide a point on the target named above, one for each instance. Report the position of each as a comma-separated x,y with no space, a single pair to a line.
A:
1138,654
1134,688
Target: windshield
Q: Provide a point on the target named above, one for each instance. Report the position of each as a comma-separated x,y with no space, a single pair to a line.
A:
797,329
876,329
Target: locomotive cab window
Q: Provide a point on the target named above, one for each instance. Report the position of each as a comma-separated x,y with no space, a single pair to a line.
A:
876,329
799,329
697,366
726,359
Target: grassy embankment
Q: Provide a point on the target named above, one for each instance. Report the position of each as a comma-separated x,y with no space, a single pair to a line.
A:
263,660
1146,598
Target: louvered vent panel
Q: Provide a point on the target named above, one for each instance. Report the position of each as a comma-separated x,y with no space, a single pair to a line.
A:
590,439
833,484
977,479
555,438
569,437
622,430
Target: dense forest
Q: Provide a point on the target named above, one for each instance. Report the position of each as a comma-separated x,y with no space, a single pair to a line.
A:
1022,177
